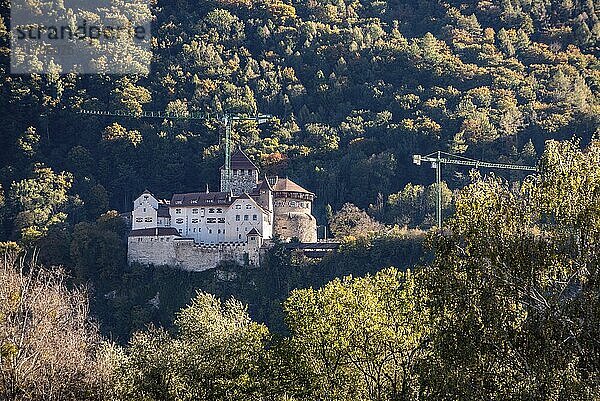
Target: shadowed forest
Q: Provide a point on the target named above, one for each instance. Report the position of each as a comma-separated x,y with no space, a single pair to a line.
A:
501,304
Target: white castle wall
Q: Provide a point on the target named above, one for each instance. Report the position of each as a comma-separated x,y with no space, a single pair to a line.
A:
185,254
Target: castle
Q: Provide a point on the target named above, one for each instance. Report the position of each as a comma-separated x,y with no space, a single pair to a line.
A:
197,231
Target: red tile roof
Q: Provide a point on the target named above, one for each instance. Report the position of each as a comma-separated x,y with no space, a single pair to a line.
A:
287,185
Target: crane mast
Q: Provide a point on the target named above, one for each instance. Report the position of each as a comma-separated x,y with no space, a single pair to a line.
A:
437,159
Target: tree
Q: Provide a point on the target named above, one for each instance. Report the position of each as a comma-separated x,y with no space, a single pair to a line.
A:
216,355
98,249
28,143
359,339
38,202
117,132
513,287
49,349
130,96
352,221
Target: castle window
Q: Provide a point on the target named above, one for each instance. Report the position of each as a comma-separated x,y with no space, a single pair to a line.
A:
210,231
144,210
194,230
246,217
180,231
248,207
219,231
254,217
237,217
239,236
219,210
194,211
194,221
139,220
211,210
179,221
211,221
249,172
148,219
221,221
178,211
238,206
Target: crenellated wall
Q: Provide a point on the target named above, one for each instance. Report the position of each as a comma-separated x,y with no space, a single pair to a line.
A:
185,254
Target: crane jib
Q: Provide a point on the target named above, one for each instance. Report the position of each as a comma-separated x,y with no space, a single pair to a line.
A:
437,161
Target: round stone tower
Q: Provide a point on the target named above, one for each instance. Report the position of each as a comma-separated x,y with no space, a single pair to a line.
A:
292,210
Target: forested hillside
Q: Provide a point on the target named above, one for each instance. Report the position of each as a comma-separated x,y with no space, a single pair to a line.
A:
357,86
501,305
507,309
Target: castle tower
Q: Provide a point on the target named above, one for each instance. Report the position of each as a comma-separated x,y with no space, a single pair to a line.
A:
292,206
243,178
263,195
